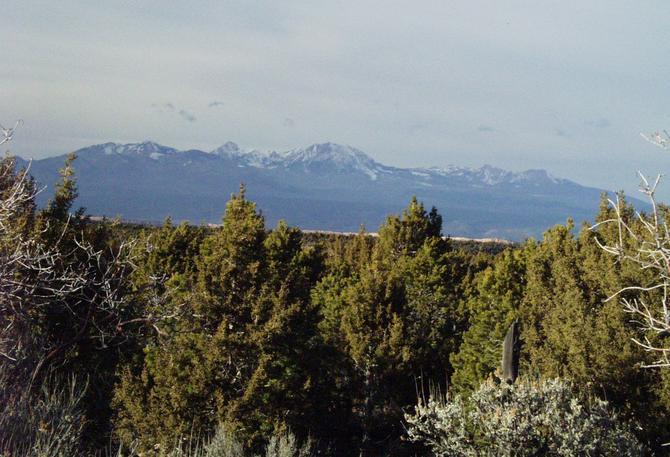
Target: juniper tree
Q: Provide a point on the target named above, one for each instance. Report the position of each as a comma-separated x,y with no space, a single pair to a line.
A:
284,388
245,349
569,330
492,309
394,318
189,376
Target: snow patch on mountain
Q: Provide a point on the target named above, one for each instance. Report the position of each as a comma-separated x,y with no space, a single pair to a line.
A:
328,158
317,158
250,158
146,148
493,176
337,157
229,150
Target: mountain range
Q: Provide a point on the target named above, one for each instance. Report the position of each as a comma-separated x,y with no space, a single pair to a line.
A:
321,187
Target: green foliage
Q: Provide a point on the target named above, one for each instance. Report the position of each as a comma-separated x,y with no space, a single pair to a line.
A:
569,330
56,224
493,308
557,310
323,335
392,317
172,394
522,419
167,252
247,347
65,193
283,385
405,234
230,264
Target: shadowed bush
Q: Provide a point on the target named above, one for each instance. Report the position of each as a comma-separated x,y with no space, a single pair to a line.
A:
41,422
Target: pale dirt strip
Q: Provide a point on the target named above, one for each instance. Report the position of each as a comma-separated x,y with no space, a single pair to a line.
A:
319,232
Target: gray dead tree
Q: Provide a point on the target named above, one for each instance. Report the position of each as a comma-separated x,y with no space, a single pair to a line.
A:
87,283
645,242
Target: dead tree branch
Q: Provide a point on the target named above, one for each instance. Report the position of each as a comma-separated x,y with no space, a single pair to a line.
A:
647,245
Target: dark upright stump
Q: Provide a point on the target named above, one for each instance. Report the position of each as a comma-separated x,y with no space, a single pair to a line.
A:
511,352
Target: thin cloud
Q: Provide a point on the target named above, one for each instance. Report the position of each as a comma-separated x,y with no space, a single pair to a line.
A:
417,127
485,128
170,107
161,106
601,123
186,115
288,122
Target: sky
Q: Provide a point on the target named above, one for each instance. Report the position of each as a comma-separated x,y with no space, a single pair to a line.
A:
565,85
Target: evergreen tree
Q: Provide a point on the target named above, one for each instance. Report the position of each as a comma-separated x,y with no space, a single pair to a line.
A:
405,234
394,318
556,318
435,316
283,389
168,251
58,208
493,308
190,377
166,270
247,354
570,330
230,265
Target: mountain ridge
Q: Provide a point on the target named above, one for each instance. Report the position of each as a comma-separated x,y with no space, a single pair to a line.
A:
325,186
318,152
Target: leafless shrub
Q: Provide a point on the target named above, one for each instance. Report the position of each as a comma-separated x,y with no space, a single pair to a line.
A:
657,139
645,241
85,286
34,276
8,132
68,278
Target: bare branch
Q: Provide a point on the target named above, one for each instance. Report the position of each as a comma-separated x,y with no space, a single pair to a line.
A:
8,133
655,138
648,247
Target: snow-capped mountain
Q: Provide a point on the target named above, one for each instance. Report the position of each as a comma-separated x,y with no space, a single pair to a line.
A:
252,157
329,157
492,176
146,148
317,158
229,150
323,186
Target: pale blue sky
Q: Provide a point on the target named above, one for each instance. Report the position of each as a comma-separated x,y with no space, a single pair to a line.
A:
561,85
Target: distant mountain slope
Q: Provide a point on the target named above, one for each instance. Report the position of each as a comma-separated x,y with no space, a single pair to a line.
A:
323,186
